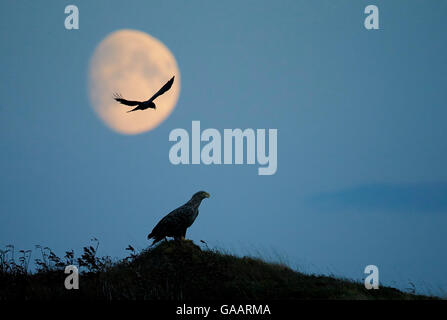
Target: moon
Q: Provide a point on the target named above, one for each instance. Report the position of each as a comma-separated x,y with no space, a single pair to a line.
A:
136,65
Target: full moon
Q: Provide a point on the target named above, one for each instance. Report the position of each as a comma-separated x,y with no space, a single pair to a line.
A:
136,65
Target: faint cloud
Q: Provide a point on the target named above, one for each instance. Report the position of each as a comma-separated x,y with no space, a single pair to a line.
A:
417,197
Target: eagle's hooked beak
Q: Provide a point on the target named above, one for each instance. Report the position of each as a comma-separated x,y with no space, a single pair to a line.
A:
207,194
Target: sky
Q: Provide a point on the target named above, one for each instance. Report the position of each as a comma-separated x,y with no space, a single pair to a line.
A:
360,116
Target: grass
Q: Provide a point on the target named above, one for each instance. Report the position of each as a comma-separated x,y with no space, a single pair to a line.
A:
173,271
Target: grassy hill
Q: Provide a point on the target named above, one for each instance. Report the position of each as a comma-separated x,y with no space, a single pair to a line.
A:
179,271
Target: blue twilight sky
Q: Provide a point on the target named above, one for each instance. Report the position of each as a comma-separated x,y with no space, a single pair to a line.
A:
360,115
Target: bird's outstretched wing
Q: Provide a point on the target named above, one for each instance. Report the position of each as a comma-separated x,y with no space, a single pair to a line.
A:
163,89
120,99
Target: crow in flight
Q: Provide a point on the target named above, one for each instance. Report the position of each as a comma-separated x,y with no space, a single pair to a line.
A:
143,105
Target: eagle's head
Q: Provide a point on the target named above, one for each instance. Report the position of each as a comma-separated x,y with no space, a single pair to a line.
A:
200,195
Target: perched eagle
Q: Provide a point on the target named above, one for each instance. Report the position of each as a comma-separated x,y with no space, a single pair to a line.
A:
143,105
175,223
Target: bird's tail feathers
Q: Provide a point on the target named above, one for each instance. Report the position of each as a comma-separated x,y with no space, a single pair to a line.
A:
156,239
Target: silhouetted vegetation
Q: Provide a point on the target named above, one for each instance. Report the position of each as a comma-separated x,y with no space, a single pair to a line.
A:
170,271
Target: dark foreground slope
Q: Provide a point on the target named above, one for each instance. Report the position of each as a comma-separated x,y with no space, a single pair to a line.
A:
183,271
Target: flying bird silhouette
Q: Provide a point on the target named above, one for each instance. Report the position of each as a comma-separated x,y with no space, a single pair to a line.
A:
143,105
175,223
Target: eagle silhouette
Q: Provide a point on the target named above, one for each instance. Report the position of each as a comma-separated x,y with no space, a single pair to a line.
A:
175,223
143,105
